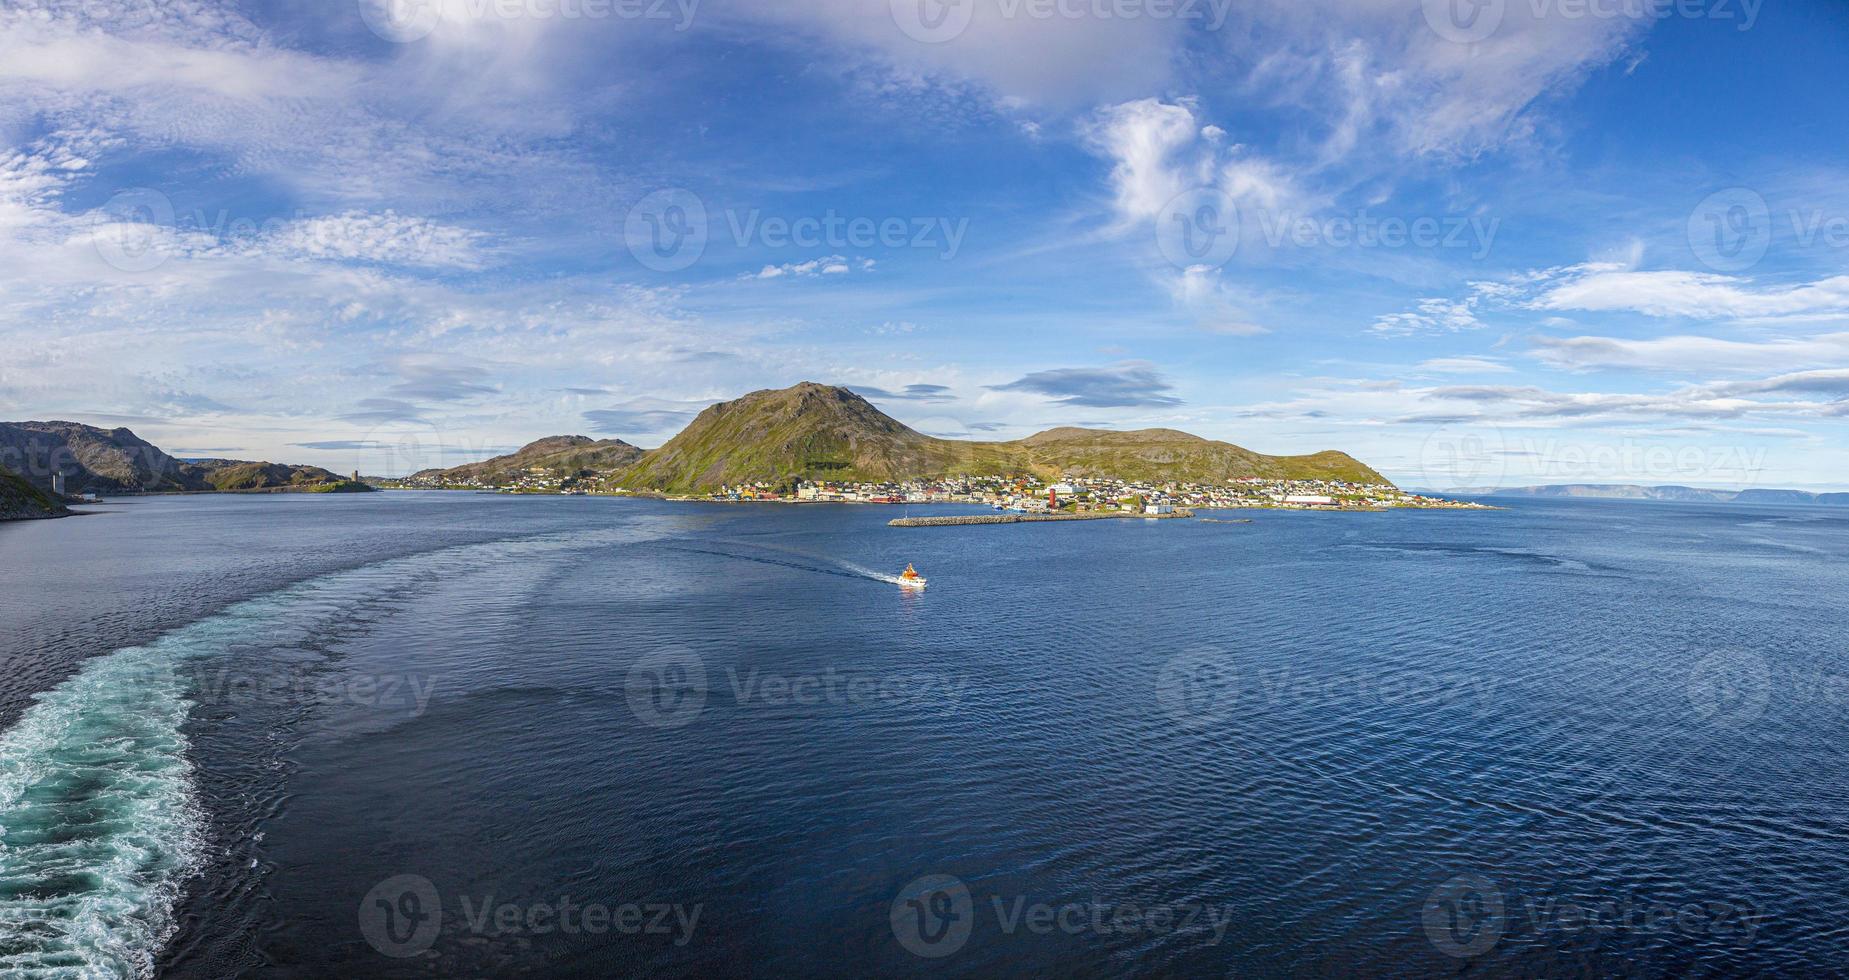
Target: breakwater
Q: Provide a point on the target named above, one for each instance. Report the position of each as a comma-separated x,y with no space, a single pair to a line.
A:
1029,518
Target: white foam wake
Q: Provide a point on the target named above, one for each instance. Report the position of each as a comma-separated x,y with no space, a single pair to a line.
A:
100,823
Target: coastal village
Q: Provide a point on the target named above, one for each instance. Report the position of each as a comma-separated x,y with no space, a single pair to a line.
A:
1020,494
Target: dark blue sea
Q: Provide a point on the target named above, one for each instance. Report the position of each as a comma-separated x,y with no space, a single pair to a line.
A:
424,734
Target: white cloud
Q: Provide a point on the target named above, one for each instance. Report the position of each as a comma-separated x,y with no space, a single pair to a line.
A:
829,265
1699,295
1061,61
1464,365
386,237
1381,74
1432,315
1216,305
1692,353
1144,138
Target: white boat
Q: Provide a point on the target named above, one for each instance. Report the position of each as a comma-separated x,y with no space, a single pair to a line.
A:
910,579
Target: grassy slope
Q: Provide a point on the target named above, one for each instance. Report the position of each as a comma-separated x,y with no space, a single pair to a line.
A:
814,431
20,500
238,475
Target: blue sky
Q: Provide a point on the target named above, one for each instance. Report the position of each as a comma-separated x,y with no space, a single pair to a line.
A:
1473,242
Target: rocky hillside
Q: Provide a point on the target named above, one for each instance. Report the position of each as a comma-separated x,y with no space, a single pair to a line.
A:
563,457
818,432
118,461
103,460
20,500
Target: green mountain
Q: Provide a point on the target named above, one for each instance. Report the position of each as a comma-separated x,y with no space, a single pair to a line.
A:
818,432
118,461
20,500
1168,454
561,457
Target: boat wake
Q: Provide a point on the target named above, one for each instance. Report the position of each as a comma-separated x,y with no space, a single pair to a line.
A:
820,564
100,818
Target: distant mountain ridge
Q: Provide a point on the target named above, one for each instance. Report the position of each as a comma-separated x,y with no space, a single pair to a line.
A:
1630,491
813,431
564,457
93,459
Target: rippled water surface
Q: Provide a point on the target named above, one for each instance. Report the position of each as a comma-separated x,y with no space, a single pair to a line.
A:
438,735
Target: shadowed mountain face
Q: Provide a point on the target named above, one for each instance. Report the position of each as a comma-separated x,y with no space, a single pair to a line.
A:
104,460
817,432
560,456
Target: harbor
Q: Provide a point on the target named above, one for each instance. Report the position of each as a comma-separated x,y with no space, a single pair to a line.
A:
1101,515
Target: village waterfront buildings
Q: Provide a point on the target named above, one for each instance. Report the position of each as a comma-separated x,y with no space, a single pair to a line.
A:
1024,494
